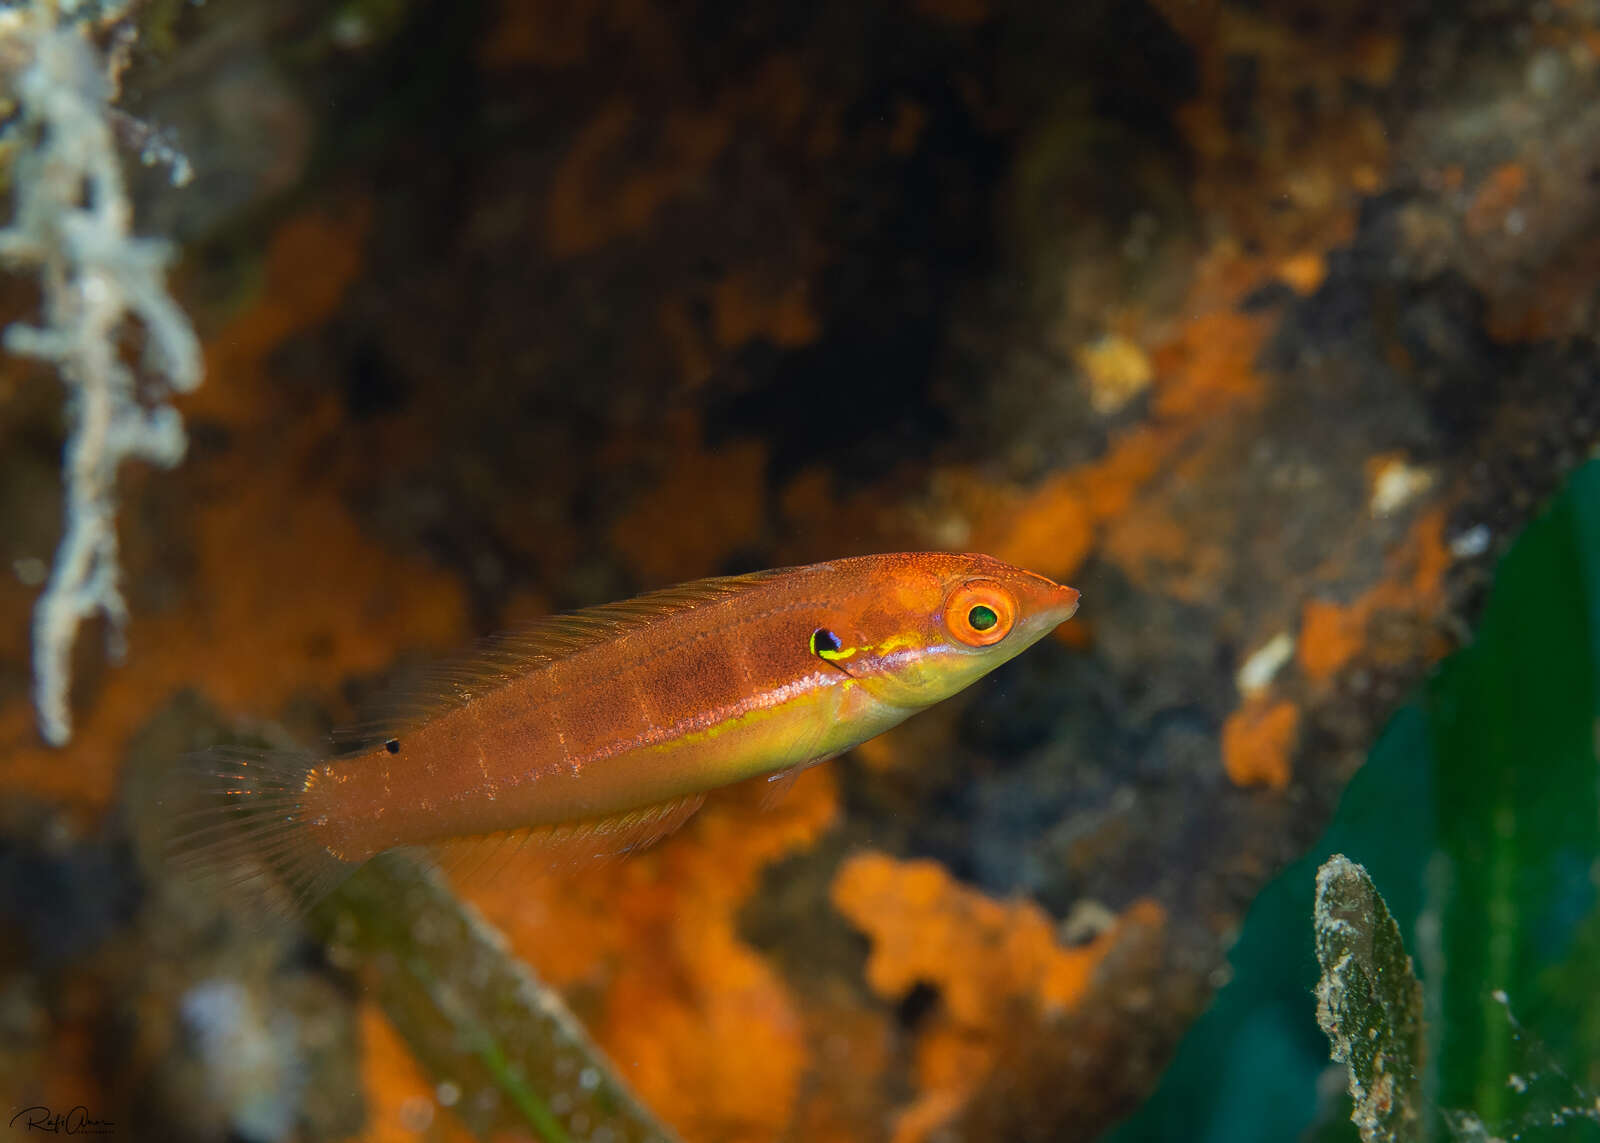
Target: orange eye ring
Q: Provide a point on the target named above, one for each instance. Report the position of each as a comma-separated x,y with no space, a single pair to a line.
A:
980,613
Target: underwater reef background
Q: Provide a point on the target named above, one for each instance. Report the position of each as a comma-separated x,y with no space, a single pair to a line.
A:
1267,325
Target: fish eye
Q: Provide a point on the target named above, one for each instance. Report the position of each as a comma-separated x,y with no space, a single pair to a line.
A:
980,613
823,640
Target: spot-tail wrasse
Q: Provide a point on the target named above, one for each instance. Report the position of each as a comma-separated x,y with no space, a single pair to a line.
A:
598,732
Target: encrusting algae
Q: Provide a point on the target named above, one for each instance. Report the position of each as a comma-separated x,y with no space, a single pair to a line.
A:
596,733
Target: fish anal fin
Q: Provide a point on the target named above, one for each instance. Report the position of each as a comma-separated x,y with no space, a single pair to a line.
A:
571,845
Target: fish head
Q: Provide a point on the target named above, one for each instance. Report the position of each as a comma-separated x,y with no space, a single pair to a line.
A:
921,628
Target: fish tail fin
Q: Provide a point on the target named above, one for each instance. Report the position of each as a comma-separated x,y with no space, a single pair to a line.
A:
239,820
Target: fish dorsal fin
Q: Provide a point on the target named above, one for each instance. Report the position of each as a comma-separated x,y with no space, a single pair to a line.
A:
529,647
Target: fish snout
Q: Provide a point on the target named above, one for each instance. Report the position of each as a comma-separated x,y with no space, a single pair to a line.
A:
1049,603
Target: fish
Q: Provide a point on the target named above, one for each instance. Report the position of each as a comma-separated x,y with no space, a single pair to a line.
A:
596,733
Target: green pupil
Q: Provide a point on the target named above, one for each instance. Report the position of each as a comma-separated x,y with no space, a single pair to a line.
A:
981,618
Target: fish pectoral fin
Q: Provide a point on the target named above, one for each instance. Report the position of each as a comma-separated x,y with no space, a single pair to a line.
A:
571,845
767,790
777,786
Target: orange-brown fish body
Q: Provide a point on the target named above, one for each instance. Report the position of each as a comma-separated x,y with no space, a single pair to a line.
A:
622,717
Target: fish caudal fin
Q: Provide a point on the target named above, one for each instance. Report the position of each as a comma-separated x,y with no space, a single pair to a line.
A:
237,819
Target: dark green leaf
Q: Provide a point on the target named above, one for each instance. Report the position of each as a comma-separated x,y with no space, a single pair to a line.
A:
1478,816
475,1015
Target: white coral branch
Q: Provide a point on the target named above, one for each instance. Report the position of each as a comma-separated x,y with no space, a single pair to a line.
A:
72,226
